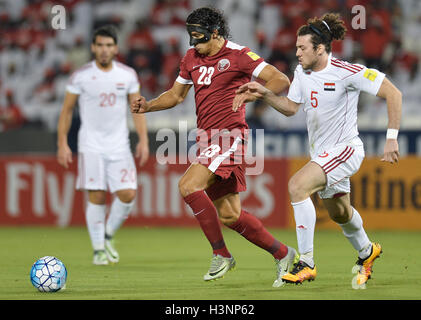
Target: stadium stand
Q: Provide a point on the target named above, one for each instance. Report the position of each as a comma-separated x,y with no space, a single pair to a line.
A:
36,60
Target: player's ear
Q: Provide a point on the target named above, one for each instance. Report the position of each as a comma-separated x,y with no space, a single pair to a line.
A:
93,48
320,49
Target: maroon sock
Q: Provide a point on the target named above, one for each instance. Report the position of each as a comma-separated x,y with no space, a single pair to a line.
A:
253,230
205,213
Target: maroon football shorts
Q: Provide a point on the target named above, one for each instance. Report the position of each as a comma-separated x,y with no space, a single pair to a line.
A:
224,155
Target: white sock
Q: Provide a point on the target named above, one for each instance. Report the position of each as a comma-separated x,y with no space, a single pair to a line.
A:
308,258
355,233
95,220
118,214
305,221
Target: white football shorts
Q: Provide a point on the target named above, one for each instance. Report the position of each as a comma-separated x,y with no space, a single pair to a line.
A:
111,172
339,164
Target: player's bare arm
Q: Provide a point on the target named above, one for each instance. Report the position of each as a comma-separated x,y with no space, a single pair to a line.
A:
275,81
64,153
279,103
166,100
394,110
139,120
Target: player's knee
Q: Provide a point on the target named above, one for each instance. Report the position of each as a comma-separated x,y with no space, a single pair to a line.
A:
295,190
228,216
126,196
97,197
186,187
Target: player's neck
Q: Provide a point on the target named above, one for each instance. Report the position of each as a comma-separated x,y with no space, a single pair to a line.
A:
104,67
216,46
321,63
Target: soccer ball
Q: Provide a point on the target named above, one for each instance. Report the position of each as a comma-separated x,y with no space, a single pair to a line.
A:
48,274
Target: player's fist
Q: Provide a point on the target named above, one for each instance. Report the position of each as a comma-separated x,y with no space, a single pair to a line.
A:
64,156
391,151
139,105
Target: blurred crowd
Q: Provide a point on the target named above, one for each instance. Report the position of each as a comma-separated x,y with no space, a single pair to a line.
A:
36,60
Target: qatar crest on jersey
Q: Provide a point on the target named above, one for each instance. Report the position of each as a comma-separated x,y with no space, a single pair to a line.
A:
223,64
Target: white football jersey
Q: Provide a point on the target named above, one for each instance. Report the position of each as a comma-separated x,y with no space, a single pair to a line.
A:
103,106
330,100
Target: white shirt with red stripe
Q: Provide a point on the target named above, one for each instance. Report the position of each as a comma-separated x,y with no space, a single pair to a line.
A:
103,106
330,100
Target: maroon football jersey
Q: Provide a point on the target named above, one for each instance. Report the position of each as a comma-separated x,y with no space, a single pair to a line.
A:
215,81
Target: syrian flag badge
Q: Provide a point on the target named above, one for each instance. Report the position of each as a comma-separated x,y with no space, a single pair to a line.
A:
329,86
120,86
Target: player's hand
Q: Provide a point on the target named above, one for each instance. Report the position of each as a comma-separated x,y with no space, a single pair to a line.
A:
391,151
139,105
142,152
64,156
248,92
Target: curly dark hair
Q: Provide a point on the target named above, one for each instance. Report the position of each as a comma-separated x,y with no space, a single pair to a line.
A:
210,18
322,34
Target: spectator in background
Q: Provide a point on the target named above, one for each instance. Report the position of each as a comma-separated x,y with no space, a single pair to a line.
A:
45,92
141,38
298,11
375,38
78,54
170,12
144,53
255,119
243,20
373,44
171,59
405,69
283,47
11,116
29,46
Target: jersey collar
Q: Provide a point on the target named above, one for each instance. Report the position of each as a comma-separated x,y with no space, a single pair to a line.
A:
98,69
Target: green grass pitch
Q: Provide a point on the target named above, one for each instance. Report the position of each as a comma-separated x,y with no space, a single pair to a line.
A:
169,264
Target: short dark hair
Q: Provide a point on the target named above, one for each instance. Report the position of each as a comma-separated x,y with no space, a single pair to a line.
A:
324,30
210,18
105,31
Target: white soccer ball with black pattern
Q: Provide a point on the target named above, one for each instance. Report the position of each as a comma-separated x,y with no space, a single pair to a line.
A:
48,274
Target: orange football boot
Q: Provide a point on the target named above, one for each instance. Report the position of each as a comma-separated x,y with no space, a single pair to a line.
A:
300,273
364,267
